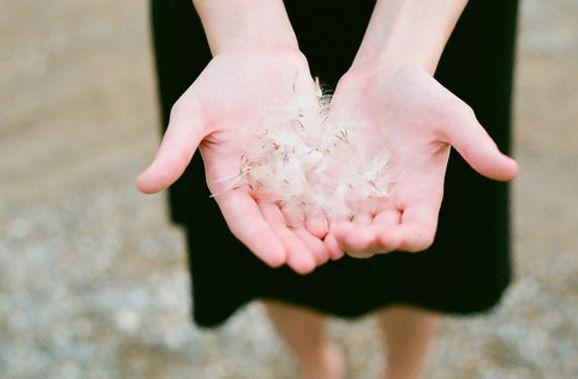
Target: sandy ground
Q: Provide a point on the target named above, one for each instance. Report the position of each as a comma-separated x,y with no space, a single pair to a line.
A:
92,277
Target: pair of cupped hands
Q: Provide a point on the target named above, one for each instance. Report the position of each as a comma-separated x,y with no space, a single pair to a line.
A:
420,119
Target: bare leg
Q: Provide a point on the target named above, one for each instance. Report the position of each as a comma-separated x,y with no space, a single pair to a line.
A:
408,334
304,332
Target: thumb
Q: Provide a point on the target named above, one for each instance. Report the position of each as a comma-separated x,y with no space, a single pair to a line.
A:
476,146
182,137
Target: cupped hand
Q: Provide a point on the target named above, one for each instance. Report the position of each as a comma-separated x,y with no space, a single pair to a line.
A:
420,120
219,114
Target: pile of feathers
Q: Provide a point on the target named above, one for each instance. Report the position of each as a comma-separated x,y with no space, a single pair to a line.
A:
312,157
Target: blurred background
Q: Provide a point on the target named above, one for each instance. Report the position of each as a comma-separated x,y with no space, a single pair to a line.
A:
93,282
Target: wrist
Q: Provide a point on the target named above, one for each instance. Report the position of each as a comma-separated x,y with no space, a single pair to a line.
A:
408,34
256,46
370,69
390,63
245,24
255,36
400,49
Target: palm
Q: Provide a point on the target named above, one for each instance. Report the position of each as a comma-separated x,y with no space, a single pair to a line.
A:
219,113
419,119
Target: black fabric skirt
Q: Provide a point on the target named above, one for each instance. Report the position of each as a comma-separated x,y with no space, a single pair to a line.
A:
468,267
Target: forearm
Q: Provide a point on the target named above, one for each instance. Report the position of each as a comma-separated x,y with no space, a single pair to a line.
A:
245,23
409,33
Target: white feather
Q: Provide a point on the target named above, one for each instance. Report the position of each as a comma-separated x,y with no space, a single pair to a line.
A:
305,159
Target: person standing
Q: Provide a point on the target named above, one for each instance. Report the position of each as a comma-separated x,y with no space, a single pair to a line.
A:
417,67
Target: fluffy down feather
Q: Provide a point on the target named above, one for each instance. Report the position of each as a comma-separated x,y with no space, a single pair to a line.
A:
311,158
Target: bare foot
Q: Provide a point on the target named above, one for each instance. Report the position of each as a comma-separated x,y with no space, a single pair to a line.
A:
331,365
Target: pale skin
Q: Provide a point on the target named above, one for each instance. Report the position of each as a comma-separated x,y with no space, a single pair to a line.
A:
246,80
252,41
391,84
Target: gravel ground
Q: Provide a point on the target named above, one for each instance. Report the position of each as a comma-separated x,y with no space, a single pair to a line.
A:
92,277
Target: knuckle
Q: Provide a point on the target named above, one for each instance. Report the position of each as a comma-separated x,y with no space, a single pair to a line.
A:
454,109
188,105
177,110
297,58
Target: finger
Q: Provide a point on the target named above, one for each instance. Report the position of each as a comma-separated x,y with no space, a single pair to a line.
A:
182,137
314,244
365,209
356,238
388,232
367,235
362,218
335,250
361,255
361,240
476,146
246,222
333,241
299,257
316,223
293,215
388,217
418,228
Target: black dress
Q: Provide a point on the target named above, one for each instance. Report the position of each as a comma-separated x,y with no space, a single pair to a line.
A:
468,267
